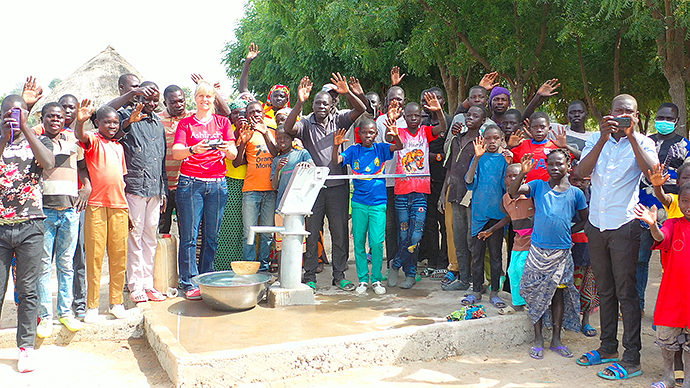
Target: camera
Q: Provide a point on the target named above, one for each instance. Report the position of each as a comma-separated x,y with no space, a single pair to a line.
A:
623,122
215,143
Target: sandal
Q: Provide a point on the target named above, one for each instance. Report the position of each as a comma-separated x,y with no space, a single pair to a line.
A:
562,351
680,377
312,285
498,302
659,384
589,331
506,311
594,358
438,274
470,299
536,353
345,285
618,372
154,295
450,277
138,296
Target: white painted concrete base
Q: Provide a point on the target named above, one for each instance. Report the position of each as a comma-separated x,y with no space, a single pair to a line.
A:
278,296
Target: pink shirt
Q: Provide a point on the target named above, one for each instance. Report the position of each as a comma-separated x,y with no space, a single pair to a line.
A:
414,159
191,131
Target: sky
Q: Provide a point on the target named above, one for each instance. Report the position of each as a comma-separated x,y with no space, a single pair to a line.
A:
165,41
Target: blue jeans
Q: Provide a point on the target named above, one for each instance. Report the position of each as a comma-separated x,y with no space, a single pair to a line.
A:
645,254
411,211
198,200
258,209
60,243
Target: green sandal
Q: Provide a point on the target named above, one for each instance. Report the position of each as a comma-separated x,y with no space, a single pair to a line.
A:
346,285
312,285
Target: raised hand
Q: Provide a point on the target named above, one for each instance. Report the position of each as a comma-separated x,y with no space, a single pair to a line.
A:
479,147
137,115
394,110
396,78
31,92
196,78
253,52
304,89
527,163
282,163
547,89
516,138
657,176
340,82
561,139
258,125
85,110
645,214
355,86
339,137
489,81
392,127
432,102
508,155
246,133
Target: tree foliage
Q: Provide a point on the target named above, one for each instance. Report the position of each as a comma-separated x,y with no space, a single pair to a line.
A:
597,49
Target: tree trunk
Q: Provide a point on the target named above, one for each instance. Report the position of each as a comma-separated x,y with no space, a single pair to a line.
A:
590,101
517,94
616,63
451,84
677,91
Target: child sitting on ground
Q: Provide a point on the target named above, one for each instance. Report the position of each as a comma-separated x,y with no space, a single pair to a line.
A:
547,280
369,198
672,313
107,217
485,178
411,192
520,212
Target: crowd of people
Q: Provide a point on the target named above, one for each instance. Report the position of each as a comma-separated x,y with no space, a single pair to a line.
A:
580,211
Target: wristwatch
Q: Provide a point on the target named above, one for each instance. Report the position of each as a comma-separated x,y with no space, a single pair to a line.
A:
191,150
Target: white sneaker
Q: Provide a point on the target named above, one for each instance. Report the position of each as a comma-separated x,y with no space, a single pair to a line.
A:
118,310
25,362
44,328
91,316
362,288
379,289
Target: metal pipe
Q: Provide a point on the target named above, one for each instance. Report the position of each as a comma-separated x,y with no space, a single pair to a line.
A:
377,176
291,254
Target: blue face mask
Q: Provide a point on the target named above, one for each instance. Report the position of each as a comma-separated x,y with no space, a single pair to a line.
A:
664,127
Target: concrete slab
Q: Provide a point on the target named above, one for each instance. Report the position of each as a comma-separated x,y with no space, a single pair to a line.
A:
278,296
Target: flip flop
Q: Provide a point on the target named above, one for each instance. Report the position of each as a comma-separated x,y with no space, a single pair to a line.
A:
594,358
438,274
536,353
589,331
346,285
562,351
506,311
449,277
312,285
619,373
498,302
470,300
680,377
659,384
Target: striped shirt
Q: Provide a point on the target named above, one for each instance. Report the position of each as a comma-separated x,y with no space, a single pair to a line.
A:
60,187
172,166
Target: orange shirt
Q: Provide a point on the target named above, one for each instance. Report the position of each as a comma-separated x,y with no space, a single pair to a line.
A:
259,161
105,160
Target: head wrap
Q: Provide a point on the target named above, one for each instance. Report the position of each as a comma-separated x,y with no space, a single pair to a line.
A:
247,96
499,90
279,87
238,104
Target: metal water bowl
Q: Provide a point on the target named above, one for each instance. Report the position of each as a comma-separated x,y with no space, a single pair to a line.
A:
228,291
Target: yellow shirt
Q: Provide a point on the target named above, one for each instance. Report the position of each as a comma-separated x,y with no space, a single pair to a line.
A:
674,210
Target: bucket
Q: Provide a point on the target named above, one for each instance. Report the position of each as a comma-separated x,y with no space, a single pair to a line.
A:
165,273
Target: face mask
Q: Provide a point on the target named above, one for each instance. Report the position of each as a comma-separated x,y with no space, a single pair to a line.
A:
664,127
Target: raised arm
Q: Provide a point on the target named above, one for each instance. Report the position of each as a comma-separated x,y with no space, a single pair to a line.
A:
246,134
135,117
357,90
303,92
488,82
433,105
649,216
357,105
31,92
479,150
396,78
244,77
516,188
393,134
338,140
119,102
218,101
658,179
546,90
84,112
587,164
43,155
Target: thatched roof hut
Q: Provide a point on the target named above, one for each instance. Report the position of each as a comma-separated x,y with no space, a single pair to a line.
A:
95,80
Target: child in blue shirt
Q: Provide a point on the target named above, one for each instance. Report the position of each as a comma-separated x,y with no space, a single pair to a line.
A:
369,198
547,280
485,178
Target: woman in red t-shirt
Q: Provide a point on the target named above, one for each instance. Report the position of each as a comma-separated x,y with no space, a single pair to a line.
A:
202,142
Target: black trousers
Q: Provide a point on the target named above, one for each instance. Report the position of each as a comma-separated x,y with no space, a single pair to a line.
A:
165,222
478,248
79,267
332,203
614,255
25,241
391,226
435,222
